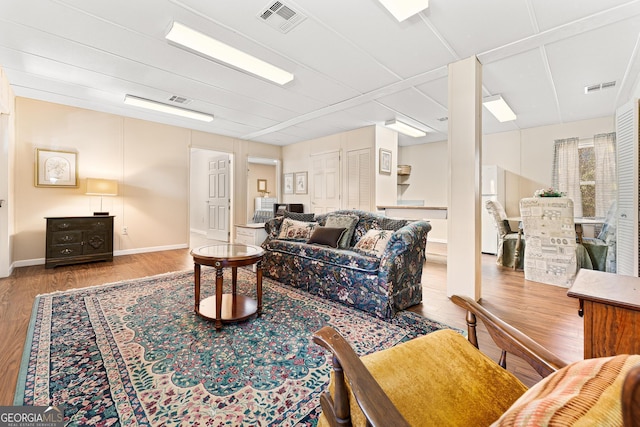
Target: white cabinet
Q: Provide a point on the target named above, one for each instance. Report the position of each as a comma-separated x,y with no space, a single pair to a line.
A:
250,234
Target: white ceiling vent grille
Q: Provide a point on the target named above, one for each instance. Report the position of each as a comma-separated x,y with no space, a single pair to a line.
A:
179,99
280,16
599,86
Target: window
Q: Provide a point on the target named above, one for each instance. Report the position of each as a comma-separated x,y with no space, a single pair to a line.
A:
587,160
586,171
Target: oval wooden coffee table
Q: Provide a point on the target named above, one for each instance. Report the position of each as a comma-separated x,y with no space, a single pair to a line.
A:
227,307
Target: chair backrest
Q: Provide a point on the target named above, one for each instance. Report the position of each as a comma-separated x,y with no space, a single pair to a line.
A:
499,216
550,236
608,232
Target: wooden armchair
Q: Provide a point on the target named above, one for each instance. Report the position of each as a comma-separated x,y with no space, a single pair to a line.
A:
410,384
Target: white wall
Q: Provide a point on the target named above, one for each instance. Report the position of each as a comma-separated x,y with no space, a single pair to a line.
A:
297,157
7,181
198,190
526,155
428,180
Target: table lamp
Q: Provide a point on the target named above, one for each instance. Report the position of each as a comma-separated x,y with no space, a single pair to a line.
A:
101,187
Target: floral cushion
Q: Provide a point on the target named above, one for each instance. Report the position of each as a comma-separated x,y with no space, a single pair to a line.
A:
374,242
296,230
582,393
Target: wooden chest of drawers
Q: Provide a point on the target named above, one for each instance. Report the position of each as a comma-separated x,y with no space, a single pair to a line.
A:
610,305
73,240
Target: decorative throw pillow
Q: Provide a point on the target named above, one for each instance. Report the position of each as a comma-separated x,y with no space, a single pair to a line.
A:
374,241
326,236
343,220
299,216
582,393
296,230
391,224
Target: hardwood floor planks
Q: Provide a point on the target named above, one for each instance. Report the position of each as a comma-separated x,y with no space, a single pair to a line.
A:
544,312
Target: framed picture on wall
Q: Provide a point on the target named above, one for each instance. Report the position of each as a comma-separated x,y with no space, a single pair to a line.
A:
288,183
301,183
56,168
262,185
385,161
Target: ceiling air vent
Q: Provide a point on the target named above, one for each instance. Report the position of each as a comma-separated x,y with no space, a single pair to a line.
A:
179,99
599,86
280,16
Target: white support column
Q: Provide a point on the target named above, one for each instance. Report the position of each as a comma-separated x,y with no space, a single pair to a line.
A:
465,143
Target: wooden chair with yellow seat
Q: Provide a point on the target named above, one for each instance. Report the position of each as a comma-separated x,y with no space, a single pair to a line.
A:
442,379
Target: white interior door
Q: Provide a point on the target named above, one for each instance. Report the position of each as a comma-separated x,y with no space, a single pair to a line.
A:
325,185
219,200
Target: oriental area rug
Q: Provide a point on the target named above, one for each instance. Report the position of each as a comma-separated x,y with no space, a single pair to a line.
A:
134,353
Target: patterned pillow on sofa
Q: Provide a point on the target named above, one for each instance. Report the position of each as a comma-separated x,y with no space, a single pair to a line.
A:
297,216
374,242
343,221
296,230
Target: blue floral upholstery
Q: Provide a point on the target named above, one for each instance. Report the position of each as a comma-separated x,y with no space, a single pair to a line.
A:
380,285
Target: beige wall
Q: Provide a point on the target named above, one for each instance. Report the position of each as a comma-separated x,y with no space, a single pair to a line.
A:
150,161
256,171
526,155
297,158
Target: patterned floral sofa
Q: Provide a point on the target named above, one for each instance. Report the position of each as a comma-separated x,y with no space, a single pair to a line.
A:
382,282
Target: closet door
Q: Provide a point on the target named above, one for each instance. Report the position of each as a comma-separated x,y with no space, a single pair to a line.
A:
627,163
359,180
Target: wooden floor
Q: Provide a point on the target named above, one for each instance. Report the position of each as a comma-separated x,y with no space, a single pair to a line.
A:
542,311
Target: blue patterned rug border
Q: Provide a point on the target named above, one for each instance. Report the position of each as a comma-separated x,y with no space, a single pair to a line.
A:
28,343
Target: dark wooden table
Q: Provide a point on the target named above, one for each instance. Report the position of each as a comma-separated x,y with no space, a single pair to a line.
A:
227,307
610,305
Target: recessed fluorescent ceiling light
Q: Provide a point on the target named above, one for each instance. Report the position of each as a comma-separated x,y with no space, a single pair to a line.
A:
499,108
402,9
164,108
194,40
404,128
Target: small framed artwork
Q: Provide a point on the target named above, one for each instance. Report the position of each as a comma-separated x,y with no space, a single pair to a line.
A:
385,161
288,183
262,185
301,183
56,168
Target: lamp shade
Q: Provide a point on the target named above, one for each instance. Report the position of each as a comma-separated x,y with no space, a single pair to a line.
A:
102,187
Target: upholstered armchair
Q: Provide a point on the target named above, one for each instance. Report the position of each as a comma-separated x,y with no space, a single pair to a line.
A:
553,256
511,247
602,249
442,379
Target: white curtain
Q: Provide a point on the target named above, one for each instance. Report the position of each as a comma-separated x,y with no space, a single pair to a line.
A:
605,174
566,171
